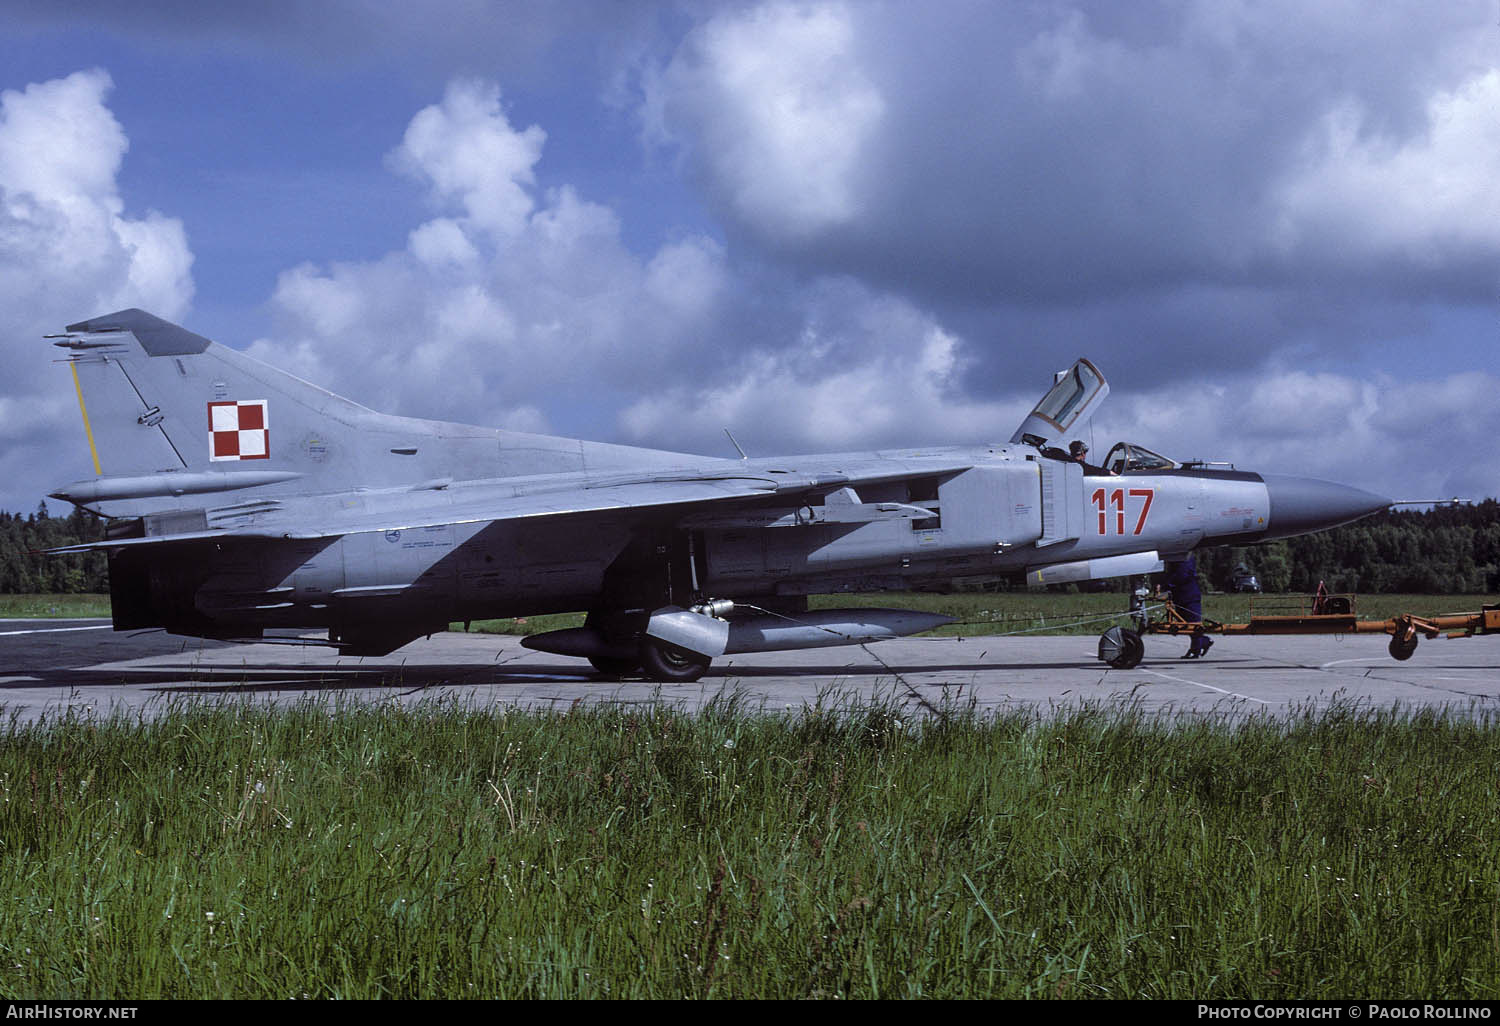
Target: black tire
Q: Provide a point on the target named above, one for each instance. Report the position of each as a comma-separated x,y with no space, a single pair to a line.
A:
615,666
670,664
1403,650
1337,605
1121,648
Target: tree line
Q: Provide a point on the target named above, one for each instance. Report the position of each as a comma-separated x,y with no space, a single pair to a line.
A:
1448,550
26,570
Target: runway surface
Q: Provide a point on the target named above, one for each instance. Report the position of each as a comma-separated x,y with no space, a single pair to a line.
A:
48,667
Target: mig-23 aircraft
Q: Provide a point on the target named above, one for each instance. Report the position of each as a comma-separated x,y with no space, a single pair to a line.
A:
243,499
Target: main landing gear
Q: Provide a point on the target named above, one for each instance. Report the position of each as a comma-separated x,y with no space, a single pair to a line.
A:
622,634
671,664
656,661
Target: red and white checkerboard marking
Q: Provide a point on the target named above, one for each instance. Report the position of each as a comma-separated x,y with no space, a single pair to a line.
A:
239,430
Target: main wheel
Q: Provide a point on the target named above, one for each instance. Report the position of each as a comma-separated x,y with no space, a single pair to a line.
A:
615,666
1403,648
1121,648
671,664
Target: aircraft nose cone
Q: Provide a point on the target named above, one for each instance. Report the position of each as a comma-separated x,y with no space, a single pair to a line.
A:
1301,505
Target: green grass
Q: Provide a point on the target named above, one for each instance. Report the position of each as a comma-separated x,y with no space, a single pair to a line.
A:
439,852
61,607
1043,612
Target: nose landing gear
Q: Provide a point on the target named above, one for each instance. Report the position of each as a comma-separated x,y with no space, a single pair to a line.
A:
1121,648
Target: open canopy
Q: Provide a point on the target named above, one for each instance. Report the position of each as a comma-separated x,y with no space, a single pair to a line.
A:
1066,409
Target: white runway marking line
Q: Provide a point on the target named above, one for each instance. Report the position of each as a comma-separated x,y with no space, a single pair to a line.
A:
1200,684
57,630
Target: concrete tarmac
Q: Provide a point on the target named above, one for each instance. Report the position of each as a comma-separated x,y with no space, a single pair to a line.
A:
51,667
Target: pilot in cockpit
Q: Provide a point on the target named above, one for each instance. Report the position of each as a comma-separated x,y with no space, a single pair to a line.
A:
1078,452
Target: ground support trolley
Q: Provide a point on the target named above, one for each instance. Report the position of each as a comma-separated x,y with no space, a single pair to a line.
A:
1122,648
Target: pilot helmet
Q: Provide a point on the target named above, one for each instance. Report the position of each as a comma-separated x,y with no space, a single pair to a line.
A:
1078,448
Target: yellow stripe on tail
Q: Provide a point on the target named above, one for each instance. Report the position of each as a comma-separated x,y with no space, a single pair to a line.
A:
93,450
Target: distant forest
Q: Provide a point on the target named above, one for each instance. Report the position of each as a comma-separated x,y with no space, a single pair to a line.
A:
24,570
1445,551
1449,550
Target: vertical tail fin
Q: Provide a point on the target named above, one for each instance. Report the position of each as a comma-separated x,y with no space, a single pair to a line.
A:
105,372
171,417
169,414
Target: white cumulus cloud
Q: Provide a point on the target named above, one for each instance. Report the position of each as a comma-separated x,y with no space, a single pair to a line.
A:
1415,197
466,151
866,370
542,316
68,251
778,112
515,303
1071,152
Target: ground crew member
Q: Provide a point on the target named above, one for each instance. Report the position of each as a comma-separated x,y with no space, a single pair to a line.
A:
1181,581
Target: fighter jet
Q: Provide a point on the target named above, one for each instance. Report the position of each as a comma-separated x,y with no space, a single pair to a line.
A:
241,499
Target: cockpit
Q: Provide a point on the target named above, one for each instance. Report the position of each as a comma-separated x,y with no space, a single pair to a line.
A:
1126,458
1055,425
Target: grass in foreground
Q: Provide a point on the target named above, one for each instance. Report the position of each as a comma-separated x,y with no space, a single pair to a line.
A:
448,853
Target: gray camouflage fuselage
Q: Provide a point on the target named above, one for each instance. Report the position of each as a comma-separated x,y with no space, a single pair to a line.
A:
246,499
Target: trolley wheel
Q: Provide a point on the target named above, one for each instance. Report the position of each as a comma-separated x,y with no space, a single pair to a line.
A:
1402,649
1121,648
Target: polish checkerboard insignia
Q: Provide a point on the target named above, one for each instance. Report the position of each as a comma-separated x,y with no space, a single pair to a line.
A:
238,430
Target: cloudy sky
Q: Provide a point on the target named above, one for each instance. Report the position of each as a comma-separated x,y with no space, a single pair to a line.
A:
827,226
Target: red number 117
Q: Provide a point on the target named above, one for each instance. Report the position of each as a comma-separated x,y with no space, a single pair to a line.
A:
1116,498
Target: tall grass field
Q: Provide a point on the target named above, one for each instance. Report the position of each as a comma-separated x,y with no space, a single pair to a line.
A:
844,852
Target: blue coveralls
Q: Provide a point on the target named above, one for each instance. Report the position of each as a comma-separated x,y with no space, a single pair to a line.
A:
1181,581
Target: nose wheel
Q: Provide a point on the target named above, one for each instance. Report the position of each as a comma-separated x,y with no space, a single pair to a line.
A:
1121,648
